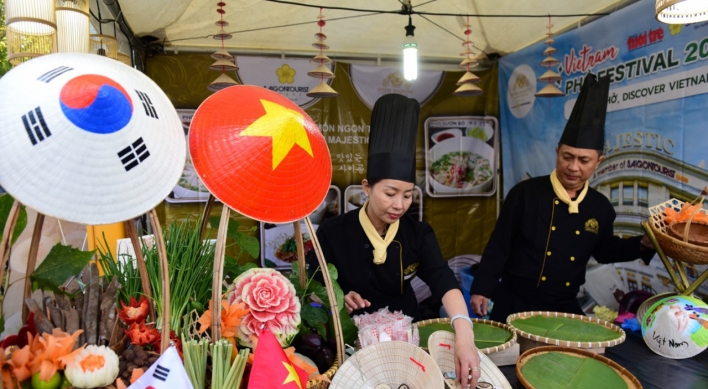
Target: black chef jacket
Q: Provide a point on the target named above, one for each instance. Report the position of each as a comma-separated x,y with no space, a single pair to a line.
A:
414,251
541,251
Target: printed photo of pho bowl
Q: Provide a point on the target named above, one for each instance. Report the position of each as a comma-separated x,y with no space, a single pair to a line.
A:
462,165
446,134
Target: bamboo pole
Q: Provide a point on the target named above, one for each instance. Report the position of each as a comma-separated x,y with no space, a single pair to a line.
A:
7,233
328,286
205,216
300,254
663,257
32,262
142,268
160,242
218,274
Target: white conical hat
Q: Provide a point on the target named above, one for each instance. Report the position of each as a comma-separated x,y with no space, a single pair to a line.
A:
87,139
442,348
390,363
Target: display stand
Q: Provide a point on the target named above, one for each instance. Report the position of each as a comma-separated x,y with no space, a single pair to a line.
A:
219,275
682,252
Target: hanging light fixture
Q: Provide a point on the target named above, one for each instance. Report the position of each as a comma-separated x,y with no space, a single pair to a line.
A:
224,61
73,26
125,58
410,53
322,70
550,76
467,82
103,44
681,11
31,27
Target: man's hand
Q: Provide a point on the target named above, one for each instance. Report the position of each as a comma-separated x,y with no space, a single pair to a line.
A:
479,304
646,243
353,301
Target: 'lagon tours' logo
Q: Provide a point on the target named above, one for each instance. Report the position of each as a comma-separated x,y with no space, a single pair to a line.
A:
286,74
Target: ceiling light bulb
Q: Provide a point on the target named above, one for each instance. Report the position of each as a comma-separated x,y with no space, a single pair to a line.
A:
410,53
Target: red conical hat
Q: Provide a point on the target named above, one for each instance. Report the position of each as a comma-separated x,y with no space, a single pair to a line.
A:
260,154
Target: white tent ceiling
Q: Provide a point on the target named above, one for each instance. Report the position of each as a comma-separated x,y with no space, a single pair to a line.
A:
260,26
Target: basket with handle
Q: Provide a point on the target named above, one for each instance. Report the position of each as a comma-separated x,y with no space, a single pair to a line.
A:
219,275
667,234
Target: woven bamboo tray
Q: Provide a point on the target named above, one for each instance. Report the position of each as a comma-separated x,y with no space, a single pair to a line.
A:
596,346
631,381
488,350
442,349
677,249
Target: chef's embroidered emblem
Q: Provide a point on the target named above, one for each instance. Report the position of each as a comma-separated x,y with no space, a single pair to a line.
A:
592,226
410,271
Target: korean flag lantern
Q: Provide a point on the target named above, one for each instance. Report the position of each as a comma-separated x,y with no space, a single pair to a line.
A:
677,327
87,139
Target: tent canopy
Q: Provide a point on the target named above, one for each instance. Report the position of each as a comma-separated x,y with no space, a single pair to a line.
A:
267,27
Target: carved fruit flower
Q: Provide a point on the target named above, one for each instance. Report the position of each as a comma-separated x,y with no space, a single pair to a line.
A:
272,304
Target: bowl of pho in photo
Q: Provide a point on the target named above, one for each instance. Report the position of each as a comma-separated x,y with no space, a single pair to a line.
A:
461,165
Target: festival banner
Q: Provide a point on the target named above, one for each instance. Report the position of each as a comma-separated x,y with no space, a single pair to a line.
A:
655,129
462,213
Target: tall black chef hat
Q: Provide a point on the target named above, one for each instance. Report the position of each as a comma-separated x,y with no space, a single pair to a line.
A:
394,125
586,127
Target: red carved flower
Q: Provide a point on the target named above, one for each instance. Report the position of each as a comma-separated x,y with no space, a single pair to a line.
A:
134,312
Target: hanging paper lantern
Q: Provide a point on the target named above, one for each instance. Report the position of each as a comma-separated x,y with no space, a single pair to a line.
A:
87,139
550,76
31,28
260,154
224,61
467,82
73,26
322,71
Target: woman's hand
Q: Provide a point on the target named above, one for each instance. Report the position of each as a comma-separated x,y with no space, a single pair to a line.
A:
353,301
466,355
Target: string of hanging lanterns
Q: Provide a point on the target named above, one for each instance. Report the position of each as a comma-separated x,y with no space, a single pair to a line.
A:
322,71
550,76
224,61
467,82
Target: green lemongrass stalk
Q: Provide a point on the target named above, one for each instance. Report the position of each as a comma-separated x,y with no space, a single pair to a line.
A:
233,380
220,362
195,360
190,266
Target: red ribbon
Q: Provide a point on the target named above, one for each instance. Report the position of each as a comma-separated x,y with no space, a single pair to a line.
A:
446,345
419,364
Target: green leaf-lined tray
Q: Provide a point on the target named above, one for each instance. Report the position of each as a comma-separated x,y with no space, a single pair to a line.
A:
566,329
489,336
557,367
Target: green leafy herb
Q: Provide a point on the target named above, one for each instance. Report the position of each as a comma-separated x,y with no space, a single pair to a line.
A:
6,202
62,263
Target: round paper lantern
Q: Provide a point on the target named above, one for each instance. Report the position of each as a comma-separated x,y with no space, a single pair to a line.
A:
676,327
260,154
87,139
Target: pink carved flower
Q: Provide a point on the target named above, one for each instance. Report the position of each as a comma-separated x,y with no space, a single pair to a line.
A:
272,302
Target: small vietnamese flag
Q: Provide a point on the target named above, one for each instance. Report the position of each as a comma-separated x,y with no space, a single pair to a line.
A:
271,367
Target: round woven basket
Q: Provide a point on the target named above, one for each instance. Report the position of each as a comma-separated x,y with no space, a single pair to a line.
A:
631,381
621,336
675,248
319,384
488,350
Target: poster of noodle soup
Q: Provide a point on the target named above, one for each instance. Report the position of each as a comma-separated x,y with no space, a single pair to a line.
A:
278,246
461,156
